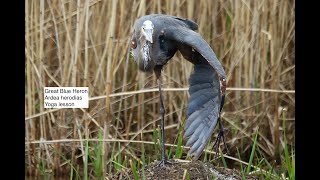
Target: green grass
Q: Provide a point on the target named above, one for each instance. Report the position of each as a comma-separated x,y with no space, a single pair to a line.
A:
134,170
252,152
289,161
42,169
155,136
241,168
266,169
223,159
143,158
74,168
96,157
179,150
118,165
93,160
85,171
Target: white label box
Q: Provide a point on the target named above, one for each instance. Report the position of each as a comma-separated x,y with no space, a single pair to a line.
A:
66,97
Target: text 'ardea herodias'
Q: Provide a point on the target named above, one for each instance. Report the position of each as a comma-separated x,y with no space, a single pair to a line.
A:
155,40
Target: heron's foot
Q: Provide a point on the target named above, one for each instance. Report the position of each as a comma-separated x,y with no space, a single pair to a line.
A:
164,163
217,143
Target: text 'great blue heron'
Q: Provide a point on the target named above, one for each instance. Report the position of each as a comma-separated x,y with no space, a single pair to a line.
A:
155,40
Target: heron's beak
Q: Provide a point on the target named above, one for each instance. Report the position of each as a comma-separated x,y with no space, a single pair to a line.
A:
148,34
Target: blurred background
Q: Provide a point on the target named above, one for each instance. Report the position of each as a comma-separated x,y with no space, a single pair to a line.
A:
87,43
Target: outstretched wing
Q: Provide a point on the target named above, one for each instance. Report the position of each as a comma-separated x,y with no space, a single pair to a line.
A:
203,108
207,86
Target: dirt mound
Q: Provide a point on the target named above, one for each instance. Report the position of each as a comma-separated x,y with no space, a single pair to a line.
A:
179,169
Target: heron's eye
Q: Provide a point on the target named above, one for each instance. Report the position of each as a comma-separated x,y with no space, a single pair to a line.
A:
133,44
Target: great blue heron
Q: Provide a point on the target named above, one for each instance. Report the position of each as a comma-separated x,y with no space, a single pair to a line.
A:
155,40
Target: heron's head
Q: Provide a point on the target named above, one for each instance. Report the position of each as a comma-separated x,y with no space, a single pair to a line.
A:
146,63
147,30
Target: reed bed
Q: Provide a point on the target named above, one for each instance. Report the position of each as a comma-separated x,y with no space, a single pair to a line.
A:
86,43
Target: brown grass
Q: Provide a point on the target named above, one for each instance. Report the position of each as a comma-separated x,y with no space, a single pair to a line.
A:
86,43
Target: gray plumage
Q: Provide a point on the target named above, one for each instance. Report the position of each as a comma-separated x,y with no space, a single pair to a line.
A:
170,34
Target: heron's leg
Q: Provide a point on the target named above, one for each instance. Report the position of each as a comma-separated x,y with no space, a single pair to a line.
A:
222,135
157,71
162,112
217,142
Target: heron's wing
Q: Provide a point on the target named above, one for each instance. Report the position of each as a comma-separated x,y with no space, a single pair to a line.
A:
203,108
206,98
188,37
191,24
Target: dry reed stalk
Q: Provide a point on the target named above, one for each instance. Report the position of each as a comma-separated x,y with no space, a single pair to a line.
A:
54,133
29,82
109,50
41,75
